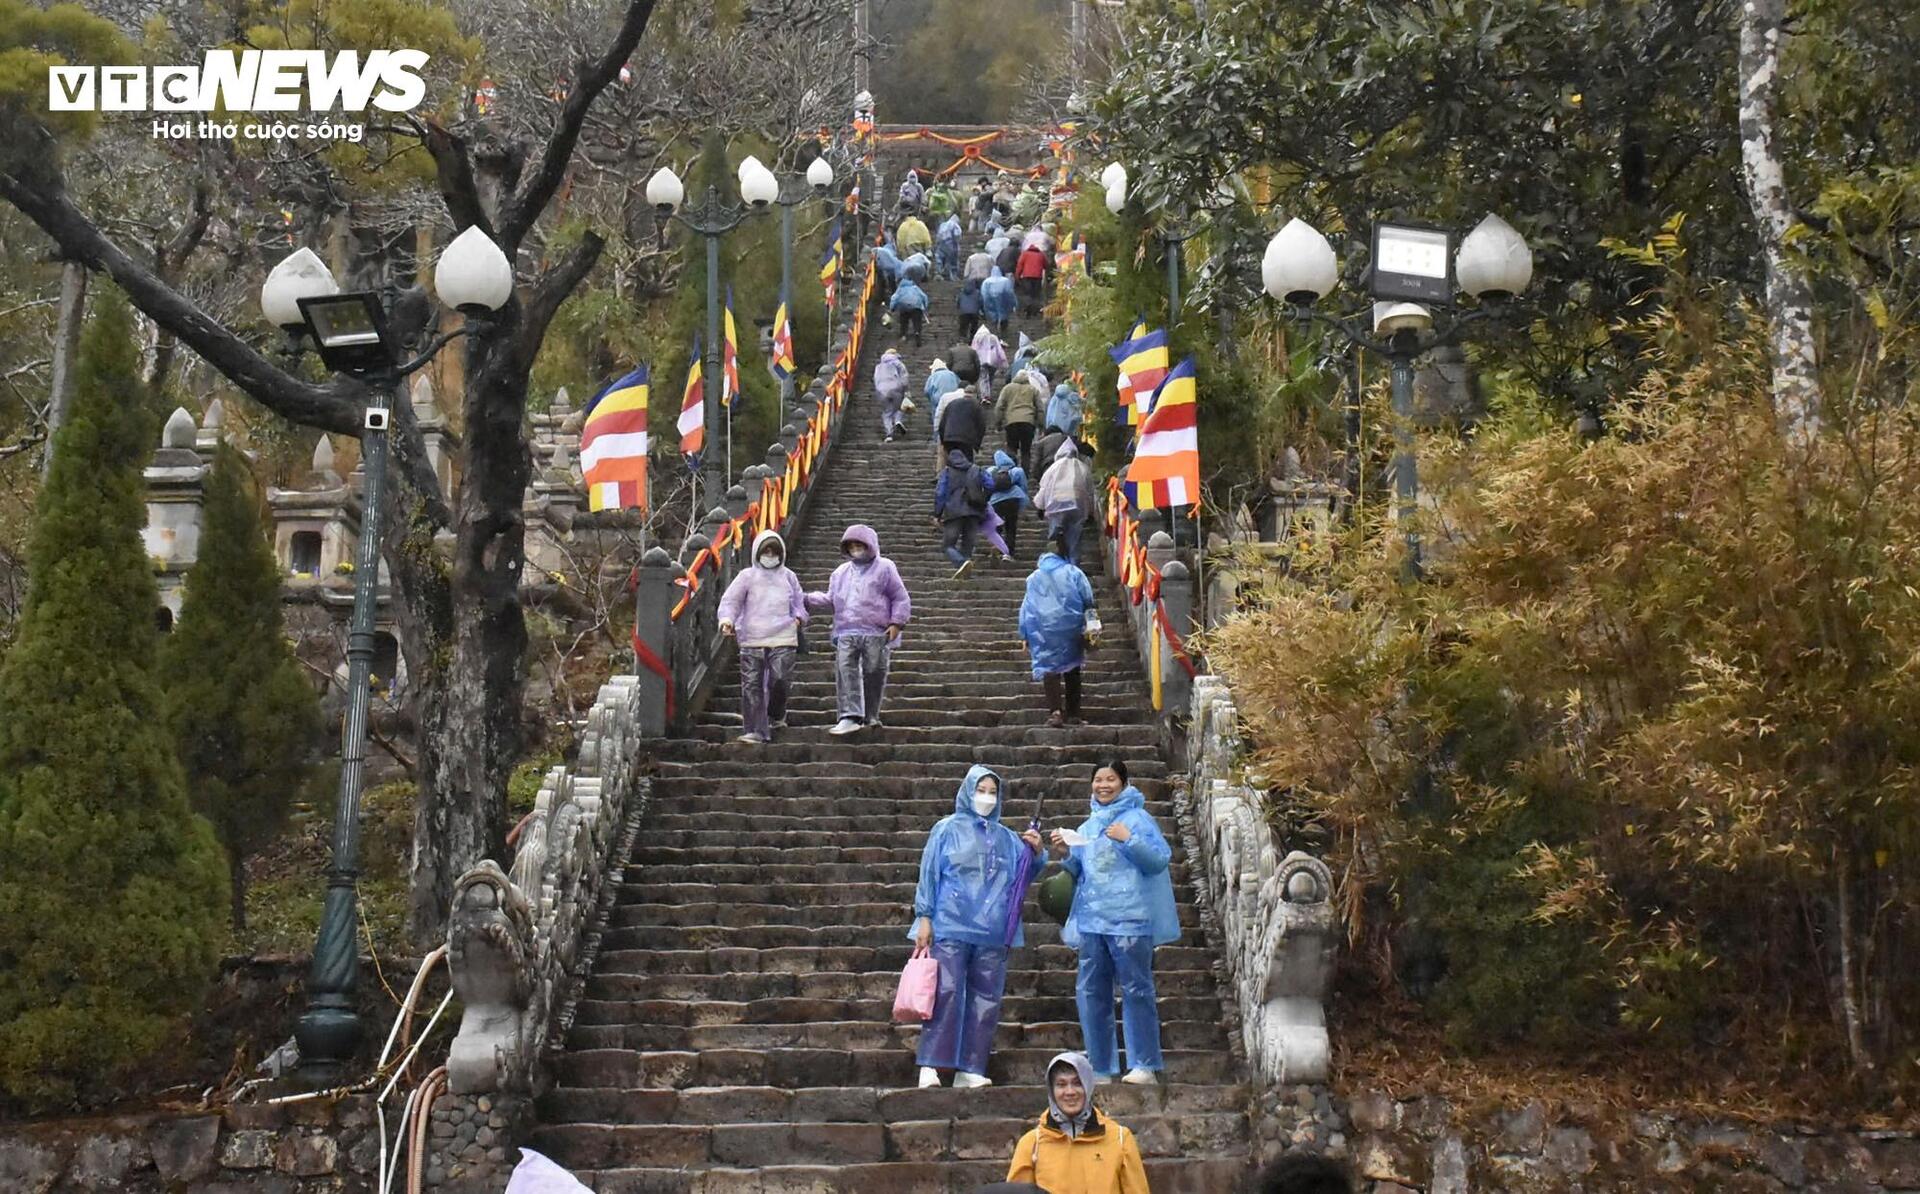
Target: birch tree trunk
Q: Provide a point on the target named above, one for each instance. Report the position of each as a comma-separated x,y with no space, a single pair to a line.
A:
66,346
1789,295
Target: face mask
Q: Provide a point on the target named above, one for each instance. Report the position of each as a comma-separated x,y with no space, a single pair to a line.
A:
769,560
983,804
858,555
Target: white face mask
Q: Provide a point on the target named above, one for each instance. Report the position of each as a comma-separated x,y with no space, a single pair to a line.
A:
769,560
858,555
984,803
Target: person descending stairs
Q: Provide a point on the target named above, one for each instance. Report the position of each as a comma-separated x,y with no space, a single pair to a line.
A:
736,1032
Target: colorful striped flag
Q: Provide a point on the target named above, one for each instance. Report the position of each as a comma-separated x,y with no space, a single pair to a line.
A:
730,359
1072,253
782,364
613,445
830,264
1166,466
693,414
1143,364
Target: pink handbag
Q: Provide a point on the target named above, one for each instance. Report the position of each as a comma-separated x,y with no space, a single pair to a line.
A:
919,983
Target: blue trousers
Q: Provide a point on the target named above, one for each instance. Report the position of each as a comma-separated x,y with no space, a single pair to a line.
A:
1068,526
1127,961
967,1009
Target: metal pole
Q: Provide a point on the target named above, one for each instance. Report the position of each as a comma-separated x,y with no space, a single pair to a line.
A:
329,1030
1173,284
1406,478
786,292
711,415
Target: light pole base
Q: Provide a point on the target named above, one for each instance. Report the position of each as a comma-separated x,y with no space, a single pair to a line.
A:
329,1032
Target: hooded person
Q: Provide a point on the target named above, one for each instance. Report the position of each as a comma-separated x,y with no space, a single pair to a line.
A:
1122,908
968,305
1008,258
995,243
913,236
970,886
940,200
890,383
992,351
870,609
763,609
886,268
980,211
996,299
1065,496
1038,237
1076,1148
910,303
946,247
917,266
1030,278
1007,495
911,192
1017,411
959,503
1064,410
1053,624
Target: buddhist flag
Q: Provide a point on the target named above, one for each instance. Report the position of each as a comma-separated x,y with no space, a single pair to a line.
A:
830,265
730,359
782,363
1072,254
1143,364
613,445
693,414
1166,466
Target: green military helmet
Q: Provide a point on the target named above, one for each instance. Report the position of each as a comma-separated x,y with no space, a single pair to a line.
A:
1056,895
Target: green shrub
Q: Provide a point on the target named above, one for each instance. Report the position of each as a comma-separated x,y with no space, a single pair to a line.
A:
113,892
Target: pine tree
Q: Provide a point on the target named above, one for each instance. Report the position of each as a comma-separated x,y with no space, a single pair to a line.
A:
242,715
111,889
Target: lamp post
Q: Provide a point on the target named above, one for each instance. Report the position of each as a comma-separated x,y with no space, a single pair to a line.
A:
351,335
713,219
1172,233
819,177
1409,274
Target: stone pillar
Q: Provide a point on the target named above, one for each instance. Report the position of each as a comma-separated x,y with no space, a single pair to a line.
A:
441,442
1176,594
207,441
789,436
654,598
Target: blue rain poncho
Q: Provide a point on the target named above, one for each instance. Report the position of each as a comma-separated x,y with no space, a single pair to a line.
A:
968,869
1003,462
886,261
908,297
1053,617
1122,889
996,296
1064,409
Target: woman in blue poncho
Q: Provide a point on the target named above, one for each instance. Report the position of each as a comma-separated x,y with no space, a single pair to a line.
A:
970,874
1053,624
1122,908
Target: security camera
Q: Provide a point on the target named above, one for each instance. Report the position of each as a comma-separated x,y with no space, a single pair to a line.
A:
377,417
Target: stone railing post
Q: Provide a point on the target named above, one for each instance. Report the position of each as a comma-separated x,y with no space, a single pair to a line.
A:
1176,595
654,597
789,436
1159,555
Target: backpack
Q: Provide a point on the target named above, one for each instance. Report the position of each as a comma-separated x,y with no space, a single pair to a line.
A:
977,488
1002,480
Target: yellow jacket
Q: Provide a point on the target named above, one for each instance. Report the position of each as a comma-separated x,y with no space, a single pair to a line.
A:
912,237
1105,1159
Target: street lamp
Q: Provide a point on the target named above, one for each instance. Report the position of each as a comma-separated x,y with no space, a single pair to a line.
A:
712,220
819,177
351,334
1173,233
1409,270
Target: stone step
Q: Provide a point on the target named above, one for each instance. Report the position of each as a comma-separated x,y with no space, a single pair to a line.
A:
748,828
1039,932
865,756
689,1013
1053,1036
801,959
818,706
799,874
930,805
864,1104
1041,748
902,738
1024,979
760,1144
1166,1175
693,835
797,1068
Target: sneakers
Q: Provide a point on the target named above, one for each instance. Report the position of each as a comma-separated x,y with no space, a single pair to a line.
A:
965,1081
779,725
845,726
755,739
930,1077
1139,1077
965,567
874,723
1006,559
1056,720
1103,1079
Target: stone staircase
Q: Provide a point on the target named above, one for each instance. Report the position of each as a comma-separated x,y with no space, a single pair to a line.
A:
736,1035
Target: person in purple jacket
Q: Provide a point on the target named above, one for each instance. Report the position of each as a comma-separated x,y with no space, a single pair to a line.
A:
870,608
764,609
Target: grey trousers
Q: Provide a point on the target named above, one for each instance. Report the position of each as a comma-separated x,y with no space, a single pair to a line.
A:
764,676
860,674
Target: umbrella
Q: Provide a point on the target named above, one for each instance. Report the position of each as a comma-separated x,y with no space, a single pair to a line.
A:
1022,871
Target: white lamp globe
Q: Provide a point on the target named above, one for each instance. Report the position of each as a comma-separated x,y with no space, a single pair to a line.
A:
301,275
1299,266
1116,199
473,274
820,174
665,191
1494,261
1114,174
758,186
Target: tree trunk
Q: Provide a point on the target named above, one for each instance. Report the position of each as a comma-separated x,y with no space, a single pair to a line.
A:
1850,998
470,710
1789,295
66,345
237,878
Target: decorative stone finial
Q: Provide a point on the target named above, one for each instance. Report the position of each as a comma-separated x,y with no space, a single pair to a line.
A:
561,402
179,430
424,406
215,415
323,455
